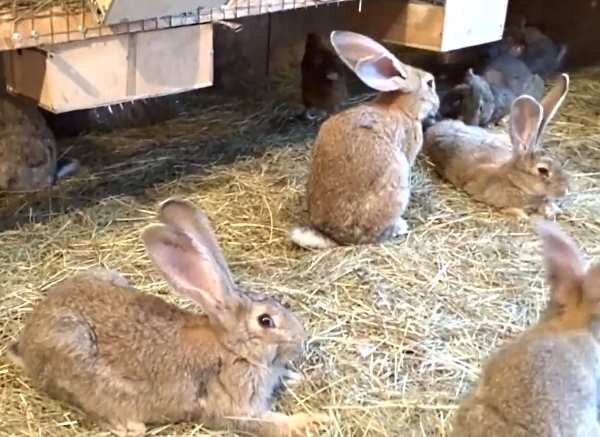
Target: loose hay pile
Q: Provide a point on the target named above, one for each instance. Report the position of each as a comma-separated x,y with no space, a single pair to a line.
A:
398,330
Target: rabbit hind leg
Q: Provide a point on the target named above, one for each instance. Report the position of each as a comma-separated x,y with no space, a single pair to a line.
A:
129,428
395,230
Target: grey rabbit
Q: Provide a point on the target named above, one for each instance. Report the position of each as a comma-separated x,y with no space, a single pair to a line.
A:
545,383
28,158
129,359
486,98
537,50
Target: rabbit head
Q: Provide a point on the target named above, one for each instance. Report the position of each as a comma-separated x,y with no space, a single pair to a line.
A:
478,103
574,290
532,169
185,250
314,41
403,87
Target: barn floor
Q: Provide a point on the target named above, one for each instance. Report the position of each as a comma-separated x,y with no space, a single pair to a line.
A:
398,330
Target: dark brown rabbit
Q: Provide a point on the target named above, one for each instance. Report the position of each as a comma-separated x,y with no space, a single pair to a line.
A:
545,383
323,78
516,176
359,182
28,160
131,359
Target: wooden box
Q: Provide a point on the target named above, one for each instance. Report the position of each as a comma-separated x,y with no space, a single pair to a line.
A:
454,25
113,69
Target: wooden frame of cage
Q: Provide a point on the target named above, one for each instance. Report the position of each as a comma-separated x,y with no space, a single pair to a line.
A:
455,25
65,65
56,26
113,69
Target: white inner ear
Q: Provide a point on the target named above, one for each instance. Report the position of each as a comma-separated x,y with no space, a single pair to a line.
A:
381,73
525,120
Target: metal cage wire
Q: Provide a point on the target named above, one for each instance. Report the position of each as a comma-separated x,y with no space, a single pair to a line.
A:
31,23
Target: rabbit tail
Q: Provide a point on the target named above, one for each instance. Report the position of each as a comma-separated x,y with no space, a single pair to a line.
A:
65,168
310,238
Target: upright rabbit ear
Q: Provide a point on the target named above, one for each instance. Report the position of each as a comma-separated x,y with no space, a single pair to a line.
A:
524,124
376,66
552,101
182,215
564,263
191,270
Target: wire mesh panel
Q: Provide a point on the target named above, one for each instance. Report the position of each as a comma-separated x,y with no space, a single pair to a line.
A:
30,23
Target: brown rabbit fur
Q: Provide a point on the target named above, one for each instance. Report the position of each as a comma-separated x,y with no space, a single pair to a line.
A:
546,382
28,159
483,164
359,182
130,359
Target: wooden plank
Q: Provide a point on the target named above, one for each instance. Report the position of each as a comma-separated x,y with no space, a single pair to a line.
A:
458,24
114,69
473,22
188,66
25,70
402,22
417,25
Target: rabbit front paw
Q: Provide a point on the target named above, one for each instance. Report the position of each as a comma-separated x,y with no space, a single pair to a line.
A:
292,378
296,424
518,213
129,429
550,210
399,228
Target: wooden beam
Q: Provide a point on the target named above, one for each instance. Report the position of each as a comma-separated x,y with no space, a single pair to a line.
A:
455,25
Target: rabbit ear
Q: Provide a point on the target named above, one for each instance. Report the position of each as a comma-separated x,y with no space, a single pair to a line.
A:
564,262
525,118
192,221
190,269
552,101
469,74
376,66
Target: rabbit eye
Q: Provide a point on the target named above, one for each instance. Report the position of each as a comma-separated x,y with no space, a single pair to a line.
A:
543,171
266,321
430,83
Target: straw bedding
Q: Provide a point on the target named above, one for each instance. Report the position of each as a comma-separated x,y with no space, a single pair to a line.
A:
398,330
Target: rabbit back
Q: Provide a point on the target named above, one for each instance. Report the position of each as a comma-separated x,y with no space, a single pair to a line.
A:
114,352
540,385
542,55
509,71
457,149
477,161
27,147
360,172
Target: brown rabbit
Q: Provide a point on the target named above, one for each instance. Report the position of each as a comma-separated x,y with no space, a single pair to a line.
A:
546,382
28,149
323,78
359,182
482,163
130,359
